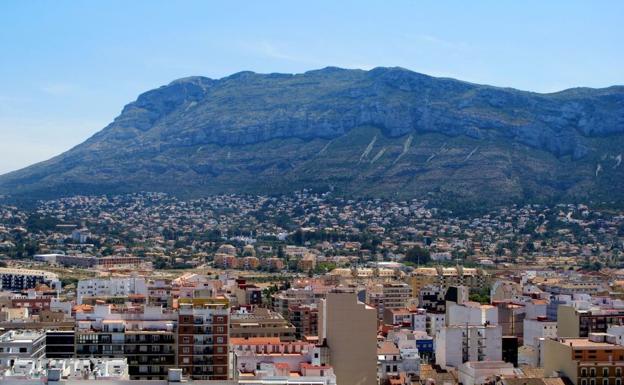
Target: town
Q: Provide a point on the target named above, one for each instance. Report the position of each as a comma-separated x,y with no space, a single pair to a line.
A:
309,288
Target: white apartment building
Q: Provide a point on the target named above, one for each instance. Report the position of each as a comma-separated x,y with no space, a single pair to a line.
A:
89,369
471,313
21,344
419,320
268,361
618,332
456,344
471,333
114,287
534,329
479,373
435,322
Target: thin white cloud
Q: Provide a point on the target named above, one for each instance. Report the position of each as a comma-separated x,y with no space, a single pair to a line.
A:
433,40
59,89
276,51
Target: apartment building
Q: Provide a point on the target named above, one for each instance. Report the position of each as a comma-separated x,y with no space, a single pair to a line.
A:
456,344
471,333
394,295
594,360
572,322
23,279
21,344
260,322
33,301
114,287
60,343
435,322
268,360
159,293
471,313
77,260
119,261
348,328
305,320
203,338
247,294
534,329
285,299
57,371
145,335
389,362
431,298
511,317
449,276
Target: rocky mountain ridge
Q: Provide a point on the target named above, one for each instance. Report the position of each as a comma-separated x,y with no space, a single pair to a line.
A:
387,131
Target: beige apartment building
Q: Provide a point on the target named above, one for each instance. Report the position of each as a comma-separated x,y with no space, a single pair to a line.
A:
572,322
261,323
596,360
349,329
449,276
391,296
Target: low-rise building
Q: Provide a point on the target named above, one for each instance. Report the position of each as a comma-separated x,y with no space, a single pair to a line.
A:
595,360
21,344
260,322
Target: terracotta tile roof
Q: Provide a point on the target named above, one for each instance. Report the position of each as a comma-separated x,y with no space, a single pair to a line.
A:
387,347
255,341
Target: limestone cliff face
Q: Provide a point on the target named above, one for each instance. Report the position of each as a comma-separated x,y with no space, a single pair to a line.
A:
167,131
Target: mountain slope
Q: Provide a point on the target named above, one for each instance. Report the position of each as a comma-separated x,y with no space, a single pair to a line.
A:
388,131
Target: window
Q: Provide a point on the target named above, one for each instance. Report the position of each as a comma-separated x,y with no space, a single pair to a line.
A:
186,350
618,372
584,381
605,381
605,372
592,372
583,372
23,350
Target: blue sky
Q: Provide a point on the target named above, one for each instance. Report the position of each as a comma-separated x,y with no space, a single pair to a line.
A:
68,67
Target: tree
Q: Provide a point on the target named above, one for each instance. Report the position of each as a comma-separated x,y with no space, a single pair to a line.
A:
418,255
482,296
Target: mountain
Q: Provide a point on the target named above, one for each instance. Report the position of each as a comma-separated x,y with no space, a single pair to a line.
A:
383,132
